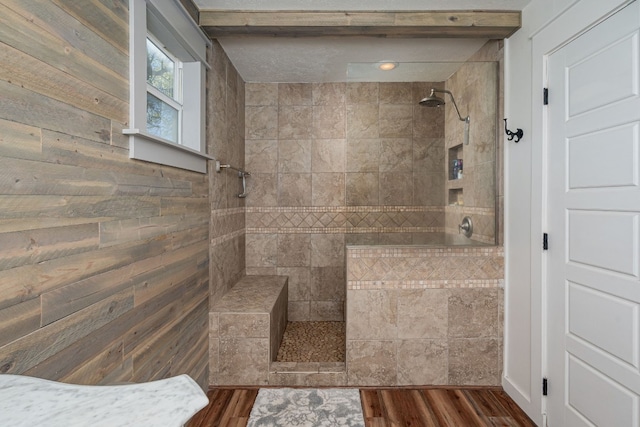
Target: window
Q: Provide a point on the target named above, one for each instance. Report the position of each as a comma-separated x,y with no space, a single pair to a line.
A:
164,94
167,60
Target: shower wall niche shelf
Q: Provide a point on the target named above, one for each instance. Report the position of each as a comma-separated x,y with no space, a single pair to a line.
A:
454,153
455,180
455,197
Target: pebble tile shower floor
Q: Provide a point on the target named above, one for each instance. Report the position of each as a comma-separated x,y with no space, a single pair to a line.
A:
313,342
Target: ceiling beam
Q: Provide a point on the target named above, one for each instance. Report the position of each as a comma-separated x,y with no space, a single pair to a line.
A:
484,24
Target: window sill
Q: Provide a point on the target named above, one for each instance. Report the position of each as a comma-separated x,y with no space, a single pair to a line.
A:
150,148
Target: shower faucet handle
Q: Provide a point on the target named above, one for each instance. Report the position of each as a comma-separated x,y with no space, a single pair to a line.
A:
466,227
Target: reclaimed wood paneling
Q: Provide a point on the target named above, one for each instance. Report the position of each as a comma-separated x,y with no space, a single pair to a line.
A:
108,18
20,141
489,24
23,106
35,246
104,260
19,320
57,22
21,69
63,206
32,349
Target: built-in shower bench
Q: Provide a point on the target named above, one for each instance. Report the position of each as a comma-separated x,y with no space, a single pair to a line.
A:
245,330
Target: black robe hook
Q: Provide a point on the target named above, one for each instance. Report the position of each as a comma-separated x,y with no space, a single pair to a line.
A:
518,134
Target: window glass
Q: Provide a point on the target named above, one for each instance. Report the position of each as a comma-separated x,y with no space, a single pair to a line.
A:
162,119
160,70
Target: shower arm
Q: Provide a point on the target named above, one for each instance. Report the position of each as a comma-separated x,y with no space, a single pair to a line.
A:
466,119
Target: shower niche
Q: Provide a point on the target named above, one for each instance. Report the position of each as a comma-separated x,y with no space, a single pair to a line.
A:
455,174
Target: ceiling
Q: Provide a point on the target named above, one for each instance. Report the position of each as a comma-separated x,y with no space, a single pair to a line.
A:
339,58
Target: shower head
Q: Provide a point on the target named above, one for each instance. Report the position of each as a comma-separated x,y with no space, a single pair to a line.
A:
432,100
435,101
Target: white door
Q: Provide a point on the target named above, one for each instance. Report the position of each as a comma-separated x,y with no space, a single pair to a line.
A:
593,221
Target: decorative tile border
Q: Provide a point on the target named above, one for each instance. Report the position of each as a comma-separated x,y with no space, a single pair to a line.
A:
342,219
424,267
227,224
343,230
226,237
425,284
418,251
345,209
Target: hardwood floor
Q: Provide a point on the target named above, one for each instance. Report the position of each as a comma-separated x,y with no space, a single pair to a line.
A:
397,407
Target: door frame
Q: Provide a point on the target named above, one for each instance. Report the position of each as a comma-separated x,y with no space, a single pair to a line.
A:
575,21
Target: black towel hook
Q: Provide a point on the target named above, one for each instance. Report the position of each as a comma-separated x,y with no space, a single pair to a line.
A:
518,134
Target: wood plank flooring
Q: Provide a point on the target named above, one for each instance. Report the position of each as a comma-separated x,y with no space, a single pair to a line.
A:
394,407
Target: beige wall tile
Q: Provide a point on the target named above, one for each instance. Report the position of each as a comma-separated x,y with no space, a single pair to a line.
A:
423,314
327,250
361,239
329,121
428,122
396,188
261,156
396,121
327,155
245,325
484,179
396,155
362,121
227,266
294,156
294,250
429,155
395,239
262,189
298,311
294,94
261,94
327,189
362,93
328,284
473,313
363,155
262,271
243,361
428,189
299,282
261,122
474,362
372,315
362,189
295,122
294,189
371,363
422,362
262,250
396,93
213,325
330,311
331,94
214,360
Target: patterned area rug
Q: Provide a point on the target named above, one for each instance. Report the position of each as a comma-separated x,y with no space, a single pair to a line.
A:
307,408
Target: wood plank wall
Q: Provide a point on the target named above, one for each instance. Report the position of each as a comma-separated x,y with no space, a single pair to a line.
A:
104,261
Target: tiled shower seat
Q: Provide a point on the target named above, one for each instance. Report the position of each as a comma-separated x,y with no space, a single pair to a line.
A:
245,330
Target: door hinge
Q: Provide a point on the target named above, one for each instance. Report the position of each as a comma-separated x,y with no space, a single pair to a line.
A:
545,241
545,96
545,384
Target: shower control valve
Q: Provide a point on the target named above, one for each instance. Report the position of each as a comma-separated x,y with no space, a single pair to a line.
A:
466,226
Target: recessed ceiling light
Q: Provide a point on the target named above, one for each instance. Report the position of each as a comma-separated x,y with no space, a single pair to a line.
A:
387,65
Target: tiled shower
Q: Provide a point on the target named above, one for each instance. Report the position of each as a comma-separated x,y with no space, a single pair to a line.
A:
341,164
